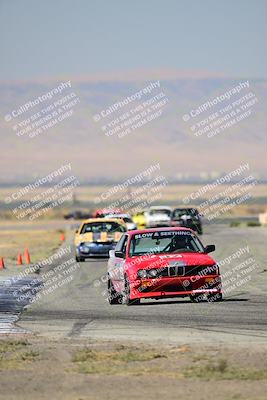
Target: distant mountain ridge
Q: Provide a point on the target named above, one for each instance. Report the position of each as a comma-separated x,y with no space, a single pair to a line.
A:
167,139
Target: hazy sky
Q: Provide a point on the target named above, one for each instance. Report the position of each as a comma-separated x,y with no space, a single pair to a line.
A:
63,37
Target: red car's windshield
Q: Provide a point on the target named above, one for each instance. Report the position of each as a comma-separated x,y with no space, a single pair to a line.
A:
165,242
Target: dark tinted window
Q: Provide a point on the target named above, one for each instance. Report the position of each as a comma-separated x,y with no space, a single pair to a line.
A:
97,227
179,212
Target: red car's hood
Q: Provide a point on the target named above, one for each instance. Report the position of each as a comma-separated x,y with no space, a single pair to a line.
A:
159,260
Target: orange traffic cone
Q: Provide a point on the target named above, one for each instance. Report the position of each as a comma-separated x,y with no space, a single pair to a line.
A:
2,264
19,260
62,237
27,256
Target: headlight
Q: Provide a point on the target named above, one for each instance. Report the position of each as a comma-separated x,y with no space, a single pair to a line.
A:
83,248
152,273
142,273
149,273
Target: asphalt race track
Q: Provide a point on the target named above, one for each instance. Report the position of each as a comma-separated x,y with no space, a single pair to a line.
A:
78,309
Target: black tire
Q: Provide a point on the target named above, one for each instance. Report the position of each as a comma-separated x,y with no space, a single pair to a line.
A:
79,259
113,296
196,298
126,294
198,228
214,298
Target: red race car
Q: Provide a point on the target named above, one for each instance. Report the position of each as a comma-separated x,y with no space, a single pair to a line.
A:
161,263
102,212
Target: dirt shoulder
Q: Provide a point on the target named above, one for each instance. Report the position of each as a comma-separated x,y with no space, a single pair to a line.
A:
37,368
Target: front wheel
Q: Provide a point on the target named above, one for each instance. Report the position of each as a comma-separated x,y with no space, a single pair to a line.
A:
196,298
213,298
113,296
79,259
126,294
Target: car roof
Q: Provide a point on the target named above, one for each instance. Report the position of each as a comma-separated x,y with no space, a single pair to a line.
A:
136,231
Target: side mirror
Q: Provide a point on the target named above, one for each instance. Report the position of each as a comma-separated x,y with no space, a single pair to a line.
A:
209,249
119,254
111,253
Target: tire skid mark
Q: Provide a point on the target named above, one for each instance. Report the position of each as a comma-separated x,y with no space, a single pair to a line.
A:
15,294
78,327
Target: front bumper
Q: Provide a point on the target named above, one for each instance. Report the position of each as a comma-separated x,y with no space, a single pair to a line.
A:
175,286
96,249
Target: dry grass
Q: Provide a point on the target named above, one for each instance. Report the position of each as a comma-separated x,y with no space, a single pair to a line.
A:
233,370
145,361
174,193
14,356
125,360
41,243
221,370
171,193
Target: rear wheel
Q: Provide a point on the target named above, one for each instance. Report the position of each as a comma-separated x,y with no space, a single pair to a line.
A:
113,296
126,294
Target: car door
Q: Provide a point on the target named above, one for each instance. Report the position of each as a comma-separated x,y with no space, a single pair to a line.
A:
117,274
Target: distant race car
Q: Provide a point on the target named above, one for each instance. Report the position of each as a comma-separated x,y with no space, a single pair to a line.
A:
102,212
96,236
188,218
140,218
161,263
126,218
77,215
158,216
